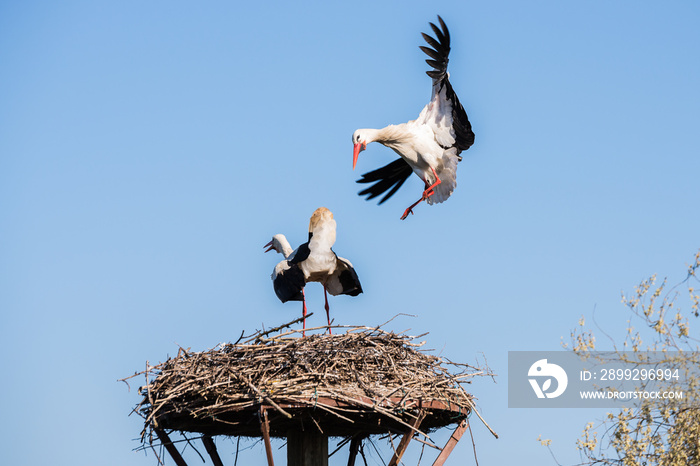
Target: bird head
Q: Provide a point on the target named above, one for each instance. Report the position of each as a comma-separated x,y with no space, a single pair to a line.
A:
322,229
359,142
275,244
320,216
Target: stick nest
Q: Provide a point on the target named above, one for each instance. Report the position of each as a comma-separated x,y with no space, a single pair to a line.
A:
365,380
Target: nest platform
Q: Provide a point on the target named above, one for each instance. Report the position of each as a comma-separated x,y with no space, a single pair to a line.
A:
365,381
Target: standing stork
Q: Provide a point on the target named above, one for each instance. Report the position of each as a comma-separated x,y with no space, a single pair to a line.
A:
313,261
430,145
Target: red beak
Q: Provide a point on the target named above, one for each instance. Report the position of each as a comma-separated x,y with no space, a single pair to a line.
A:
357,148
269,247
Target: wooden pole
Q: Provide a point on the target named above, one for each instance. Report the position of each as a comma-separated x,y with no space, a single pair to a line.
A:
265,428
165,440
451,443
307,448
406,438
354,448
211,449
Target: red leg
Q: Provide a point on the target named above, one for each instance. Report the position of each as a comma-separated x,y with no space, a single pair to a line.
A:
303,332
429,190
410,208
426,194
328,314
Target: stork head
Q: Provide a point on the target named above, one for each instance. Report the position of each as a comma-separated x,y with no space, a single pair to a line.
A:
276,244
319,217
359,141
322,228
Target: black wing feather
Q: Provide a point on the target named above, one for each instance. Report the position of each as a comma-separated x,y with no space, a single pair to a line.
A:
433,43
445,31
344,279
464,136
350,282
387,178
289,285
438,34
440,52
439,55
302,253
430,52
433,63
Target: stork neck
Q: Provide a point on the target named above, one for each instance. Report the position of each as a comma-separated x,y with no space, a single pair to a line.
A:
391,135
323,236
286,249
282,245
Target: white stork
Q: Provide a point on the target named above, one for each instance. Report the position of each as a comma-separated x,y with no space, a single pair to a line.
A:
430,145
280,244
313,261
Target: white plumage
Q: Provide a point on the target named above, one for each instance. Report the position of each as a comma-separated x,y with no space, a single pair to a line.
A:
313,261
430,145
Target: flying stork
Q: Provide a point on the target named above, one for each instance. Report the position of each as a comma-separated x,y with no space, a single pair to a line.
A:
313,261
430,145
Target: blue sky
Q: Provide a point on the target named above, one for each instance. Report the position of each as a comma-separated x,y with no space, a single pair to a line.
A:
149,150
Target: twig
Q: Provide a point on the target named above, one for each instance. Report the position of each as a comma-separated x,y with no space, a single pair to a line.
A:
268,399
259,335
473,444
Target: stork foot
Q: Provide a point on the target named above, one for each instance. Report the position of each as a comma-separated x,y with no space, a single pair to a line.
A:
429,191
409,210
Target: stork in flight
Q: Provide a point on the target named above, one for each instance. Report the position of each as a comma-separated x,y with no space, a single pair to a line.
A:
430,145
313,261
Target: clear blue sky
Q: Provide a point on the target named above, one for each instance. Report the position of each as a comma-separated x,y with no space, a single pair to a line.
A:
148,150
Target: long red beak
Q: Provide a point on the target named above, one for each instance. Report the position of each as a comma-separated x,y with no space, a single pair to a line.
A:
269,246
357,148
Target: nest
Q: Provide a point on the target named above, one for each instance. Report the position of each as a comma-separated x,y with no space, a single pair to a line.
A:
364,381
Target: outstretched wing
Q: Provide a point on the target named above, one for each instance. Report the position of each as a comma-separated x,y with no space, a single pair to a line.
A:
387,178
288,281
344,280
445,110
